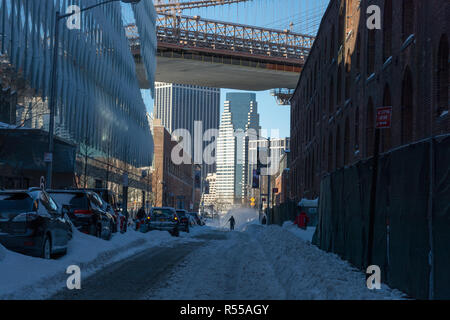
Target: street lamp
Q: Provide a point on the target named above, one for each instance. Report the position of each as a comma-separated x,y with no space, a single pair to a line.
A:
51,127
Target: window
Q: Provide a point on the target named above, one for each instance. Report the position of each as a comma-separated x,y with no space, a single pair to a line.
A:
442,76
370,128
408,18
407,108
332,40
330,153
370,52
341,27
386,133
339,85
338,148
358,52
331,101
347,148
356,129
387,30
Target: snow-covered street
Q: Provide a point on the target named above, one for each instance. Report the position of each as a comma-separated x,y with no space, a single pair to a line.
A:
253,262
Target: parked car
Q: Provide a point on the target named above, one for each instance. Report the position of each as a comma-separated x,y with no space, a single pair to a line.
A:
185,221
199,220
165,219
32,223
110,198
85,211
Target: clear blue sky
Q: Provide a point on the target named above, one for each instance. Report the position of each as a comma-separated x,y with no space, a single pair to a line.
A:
277,14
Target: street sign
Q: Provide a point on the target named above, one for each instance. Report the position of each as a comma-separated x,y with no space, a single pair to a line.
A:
384,116
48,157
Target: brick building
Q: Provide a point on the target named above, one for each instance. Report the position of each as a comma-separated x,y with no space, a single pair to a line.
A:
352,70
172,184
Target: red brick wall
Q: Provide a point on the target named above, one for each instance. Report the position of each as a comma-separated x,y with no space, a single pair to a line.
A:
176,179
324,129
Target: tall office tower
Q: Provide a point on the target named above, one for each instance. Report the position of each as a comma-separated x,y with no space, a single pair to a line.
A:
240,109
179,106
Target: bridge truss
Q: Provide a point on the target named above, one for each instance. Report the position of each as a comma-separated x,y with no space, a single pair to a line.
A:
217,36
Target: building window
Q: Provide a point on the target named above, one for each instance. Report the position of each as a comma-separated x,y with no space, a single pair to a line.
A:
387,30
370,52
408,18
347,148
386,133
407,107
339,85
330,153
357,129
338,148
332,40
331,101
370,128
442,77
358,52
341,26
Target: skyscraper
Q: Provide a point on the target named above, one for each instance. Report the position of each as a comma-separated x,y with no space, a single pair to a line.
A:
179,106
240,114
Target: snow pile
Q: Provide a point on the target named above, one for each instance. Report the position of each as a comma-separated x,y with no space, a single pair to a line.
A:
306,272
2,252
24,277
305,235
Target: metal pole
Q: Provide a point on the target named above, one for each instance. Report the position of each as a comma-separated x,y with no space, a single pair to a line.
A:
52,102
373,194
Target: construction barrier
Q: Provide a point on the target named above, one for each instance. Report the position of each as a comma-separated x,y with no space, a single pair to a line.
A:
402,245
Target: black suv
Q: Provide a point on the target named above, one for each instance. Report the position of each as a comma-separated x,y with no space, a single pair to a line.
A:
184,220
33,224
85,211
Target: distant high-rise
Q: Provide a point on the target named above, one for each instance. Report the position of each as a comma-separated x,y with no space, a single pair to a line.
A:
178,106
240,114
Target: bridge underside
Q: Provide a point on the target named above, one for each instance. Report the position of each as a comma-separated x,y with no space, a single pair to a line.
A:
209,69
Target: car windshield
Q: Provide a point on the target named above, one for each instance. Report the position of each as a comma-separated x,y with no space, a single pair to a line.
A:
75,200
15,203
181,214
162,213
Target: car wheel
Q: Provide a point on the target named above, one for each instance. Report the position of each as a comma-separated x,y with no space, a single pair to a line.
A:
47,248
98,232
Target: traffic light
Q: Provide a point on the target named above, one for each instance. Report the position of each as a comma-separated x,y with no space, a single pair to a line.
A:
255,180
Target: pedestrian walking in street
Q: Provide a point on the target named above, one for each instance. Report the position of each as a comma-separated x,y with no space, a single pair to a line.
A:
140,216
232,223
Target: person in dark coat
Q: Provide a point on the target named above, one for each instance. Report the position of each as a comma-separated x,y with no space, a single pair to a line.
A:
139,217
232,223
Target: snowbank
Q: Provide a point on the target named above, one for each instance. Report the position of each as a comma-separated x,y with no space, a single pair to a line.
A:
306,272
306,235
24,277
2,252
